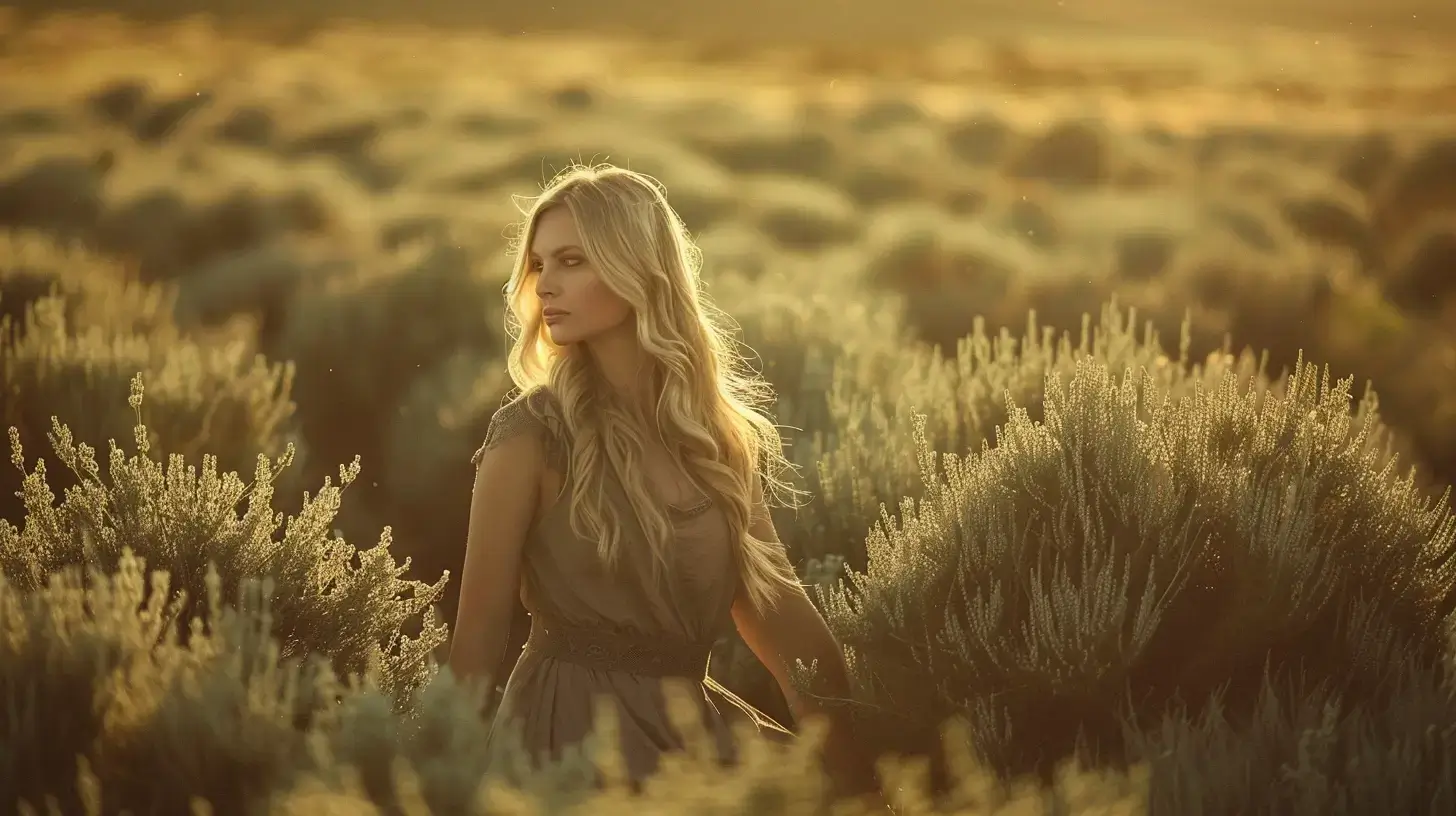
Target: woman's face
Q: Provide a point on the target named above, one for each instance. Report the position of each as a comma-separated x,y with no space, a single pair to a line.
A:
576,304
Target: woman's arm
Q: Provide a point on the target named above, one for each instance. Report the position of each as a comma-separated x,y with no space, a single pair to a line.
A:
793,630
507,485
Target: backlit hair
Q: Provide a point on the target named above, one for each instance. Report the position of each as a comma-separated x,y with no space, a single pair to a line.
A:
709,401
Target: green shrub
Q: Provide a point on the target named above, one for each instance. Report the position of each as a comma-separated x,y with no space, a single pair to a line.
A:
1363,161
1419,278
360,343
55,191
349,605
801,215
217,396
866,453
752,146
849,382
1070,154
105,710
1155,539
1327,213
859,452
426,471
801,319
802,331
980,139
945,267
876,184
96,291
259,284
1308,751
95,670
219,710
1414,190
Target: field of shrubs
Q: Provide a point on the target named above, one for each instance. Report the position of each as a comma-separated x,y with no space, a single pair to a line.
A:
1123,378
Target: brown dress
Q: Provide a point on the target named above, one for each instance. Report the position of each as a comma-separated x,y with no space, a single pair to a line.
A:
616,634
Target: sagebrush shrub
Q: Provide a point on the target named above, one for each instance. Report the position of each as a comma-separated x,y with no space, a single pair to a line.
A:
371,347
104,709
346,604
945,267
96,291
765,146
360,343
799,328
58,192
1326,213
1070,154
93,670
866,454
799,321
980,139
1145,544
163,708
1308,750
219,397
1363,161
849,415
1414,190
427,478
257,284
1419,277
802,215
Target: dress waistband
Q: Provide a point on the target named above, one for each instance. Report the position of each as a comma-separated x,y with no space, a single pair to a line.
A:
661,655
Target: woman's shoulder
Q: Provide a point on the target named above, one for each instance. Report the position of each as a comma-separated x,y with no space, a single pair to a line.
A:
534,411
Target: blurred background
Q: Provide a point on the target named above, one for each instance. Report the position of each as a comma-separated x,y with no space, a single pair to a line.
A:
293,221
820,21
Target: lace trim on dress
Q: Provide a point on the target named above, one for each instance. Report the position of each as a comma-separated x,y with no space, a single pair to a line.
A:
532,413
693,510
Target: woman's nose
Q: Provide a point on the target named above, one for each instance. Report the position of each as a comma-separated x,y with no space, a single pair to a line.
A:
545,286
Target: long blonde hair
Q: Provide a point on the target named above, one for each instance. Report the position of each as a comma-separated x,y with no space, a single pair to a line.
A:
709,401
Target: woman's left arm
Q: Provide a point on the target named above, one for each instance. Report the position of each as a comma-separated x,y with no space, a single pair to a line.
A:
794,630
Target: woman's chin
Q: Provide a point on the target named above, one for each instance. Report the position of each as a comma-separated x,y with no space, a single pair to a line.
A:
560,337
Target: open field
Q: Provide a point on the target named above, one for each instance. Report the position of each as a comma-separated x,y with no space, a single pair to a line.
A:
336,197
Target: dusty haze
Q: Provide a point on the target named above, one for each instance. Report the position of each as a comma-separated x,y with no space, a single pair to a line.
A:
830,20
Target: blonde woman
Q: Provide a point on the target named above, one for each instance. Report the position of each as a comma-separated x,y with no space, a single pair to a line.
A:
624,494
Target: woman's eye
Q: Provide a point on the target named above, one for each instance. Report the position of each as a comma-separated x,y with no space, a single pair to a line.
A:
570,261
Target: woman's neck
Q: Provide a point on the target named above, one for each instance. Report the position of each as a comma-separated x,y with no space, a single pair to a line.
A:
626,371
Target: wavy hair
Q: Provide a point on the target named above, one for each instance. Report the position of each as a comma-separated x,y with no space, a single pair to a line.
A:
709,402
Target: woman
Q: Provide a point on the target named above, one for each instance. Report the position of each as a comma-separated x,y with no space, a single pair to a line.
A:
624,494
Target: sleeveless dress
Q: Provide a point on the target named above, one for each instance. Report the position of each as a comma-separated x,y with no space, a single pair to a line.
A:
615,634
